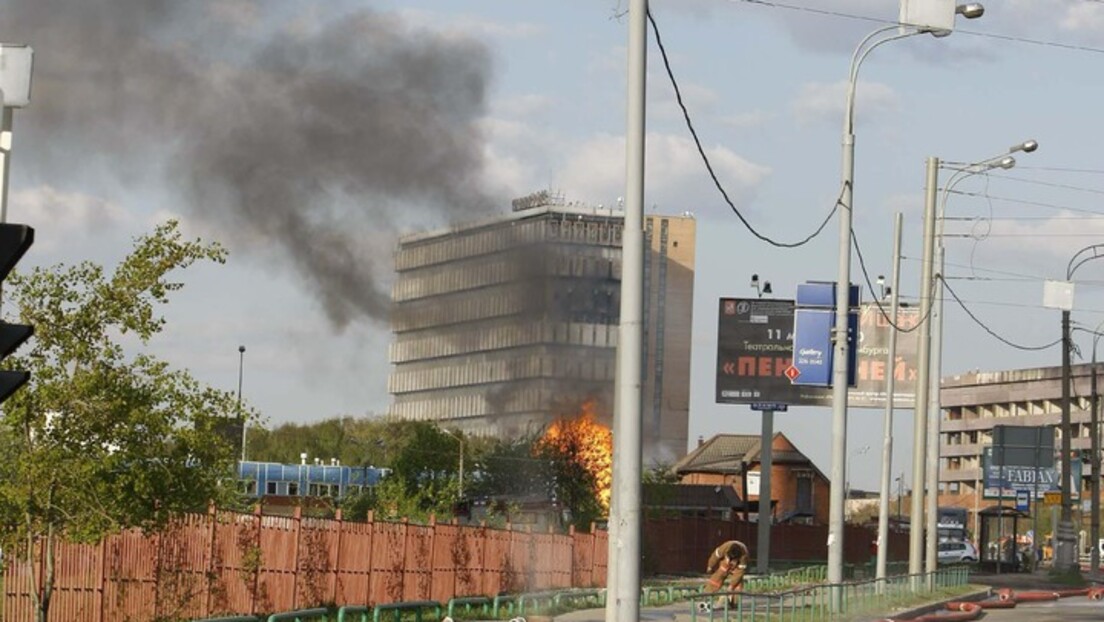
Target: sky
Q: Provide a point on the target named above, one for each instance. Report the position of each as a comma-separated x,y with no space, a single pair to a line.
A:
306,135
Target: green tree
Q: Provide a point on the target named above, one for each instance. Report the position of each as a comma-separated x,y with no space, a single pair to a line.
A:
101,439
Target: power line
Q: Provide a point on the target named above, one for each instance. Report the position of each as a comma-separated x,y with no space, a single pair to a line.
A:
977,321
1024,202
709,165
1048,184
974,33
876,297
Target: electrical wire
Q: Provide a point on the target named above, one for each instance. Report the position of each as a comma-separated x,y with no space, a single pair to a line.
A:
993,333
876,297
974,33
709,164
966,193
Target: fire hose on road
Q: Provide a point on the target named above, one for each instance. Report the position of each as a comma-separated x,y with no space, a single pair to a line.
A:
963,611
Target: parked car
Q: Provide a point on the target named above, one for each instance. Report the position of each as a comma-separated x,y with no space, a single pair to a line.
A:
954,552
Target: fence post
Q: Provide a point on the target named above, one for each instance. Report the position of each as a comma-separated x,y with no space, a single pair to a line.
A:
432,556
405,551
594,553
371,520
103,578
257,570
297,516
340,518
483,562
158,539
212,520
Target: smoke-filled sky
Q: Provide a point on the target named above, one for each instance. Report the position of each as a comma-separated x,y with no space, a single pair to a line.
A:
305,135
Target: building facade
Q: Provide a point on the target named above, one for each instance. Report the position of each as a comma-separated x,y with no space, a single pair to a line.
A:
502,326
799,491
973,403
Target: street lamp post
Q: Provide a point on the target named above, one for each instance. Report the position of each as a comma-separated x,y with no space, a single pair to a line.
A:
241,365
766,465
1066,555
887,435
1094,479
931,335
843,290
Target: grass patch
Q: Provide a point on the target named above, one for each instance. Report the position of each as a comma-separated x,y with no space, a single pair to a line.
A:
1071,577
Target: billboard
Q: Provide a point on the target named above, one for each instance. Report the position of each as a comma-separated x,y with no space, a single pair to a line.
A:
755,348
1006,481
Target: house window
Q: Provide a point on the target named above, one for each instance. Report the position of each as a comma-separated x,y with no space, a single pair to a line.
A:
270,488
293,489
804,500
248,487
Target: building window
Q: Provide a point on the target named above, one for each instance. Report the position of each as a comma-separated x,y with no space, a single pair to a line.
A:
293,489
270,488
248,487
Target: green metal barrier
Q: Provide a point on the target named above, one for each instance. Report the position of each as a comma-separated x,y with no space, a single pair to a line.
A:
320,614
346,613
418,607
816,602
536,602
504,603
580,599
468,605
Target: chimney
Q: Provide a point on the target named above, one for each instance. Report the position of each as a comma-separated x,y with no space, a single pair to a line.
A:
701,440
303,458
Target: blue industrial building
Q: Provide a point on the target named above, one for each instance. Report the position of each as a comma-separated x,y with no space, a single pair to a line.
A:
262,479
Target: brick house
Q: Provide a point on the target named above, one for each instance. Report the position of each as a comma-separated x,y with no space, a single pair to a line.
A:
799,491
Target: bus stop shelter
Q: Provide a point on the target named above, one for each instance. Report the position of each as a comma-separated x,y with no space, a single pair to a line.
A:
997,549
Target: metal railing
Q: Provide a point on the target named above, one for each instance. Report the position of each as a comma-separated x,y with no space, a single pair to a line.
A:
818,602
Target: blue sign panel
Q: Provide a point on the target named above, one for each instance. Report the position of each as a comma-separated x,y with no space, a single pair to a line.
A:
1023,502
1008,482
770,406
812,353
814,320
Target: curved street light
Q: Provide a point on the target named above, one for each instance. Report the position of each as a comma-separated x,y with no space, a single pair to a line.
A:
925,443
836,501
1094,458
1066,557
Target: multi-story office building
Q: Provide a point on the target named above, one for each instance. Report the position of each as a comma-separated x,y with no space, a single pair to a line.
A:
973,403
502,326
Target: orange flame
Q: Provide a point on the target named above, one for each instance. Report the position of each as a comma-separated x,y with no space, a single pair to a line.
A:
591,442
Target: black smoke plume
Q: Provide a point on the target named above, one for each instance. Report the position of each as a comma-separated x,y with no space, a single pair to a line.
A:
306,136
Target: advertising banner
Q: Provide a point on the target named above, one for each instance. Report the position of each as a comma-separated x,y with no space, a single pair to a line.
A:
1006,482
755,350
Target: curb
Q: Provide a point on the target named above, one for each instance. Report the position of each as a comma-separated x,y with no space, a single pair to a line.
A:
908,614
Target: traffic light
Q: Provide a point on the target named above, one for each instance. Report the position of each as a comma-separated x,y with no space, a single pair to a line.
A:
14,241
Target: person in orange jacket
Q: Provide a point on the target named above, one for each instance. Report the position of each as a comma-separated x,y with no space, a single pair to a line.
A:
728,561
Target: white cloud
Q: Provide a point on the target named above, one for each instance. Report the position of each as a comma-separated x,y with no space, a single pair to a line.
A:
59,215
471,26
676,178
749,119
1084,17
1057,236
522,106
819,101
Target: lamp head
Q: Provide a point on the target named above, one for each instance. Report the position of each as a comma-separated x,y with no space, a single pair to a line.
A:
972,10
1026,146
755,280
1006,162
880,280
767,287
241,349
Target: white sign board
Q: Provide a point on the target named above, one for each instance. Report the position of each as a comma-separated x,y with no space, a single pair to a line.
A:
15,75
753,483
928,14
1058,295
